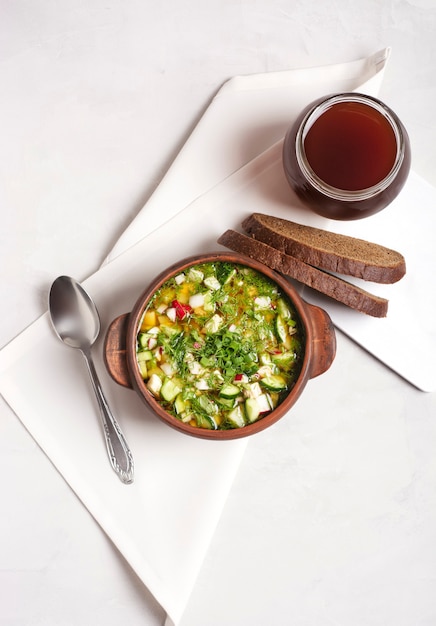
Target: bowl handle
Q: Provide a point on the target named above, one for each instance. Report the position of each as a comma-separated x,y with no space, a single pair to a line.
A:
114,351
323,341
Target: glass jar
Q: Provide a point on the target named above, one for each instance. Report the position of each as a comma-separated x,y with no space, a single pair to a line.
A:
347,156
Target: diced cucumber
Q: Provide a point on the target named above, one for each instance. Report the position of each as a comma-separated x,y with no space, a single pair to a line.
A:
235,417
206,421
252,409
169,389
180,405
145,355
143,340
213,324
143,369
170,331
229,276
281,328
274,382
229,391
207,405
195,275
283,309
212,282
265,358
207,361
284,360
209,303
227,403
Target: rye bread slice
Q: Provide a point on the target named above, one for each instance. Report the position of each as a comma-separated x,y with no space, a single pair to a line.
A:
327,250
332,286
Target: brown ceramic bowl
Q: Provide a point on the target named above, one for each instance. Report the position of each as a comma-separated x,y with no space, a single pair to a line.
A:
121,338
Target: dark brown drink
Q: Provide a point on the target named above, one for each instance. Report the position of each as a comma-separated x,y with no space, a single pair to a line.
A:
347,156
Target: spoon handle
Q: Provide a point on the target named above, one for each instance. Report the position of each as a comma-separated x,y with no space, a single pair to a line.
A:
119,453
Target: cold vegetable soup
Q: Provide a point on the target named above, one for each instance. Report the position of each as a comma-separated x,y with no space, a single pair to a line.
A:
219,345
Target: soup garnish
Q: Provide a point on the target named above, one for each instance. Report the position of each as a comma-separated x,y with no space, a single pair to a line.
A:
219,345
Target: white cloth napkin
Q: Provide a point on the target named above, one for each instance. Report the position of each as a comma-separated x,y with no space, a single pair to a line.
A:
164,522
405,340
248,115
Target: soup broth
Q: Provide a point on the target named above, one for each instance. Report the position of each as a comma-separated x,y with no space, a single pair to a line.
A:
219,346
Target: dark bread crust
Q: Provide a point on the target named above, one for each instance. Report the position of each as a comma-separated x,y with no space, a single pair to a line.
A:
327,250
336,288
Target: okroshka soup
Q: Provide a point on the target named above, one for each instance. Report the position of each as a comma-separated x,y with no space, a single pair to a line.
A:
219,345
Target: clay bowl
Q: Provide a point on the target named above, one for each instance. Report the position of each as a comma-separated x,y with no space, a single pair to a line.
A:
121,339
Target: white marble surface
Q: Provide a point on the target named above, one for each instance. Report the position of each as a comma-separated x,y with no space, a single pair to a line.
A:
96,100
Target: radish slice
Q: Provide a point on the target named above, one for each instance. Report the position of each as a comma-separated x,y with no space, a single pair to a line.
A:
171,313
241,378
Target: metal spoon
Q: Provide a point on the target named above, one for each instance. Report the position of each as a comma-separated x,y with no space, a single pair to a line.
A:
76,322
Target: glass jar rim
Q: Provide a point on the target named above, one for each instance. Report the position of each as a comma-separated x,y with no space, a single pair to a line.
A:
320,185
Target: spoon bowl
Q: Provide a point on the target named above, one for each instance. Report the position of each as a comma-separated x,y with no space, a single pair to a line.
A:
76,322
73,313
